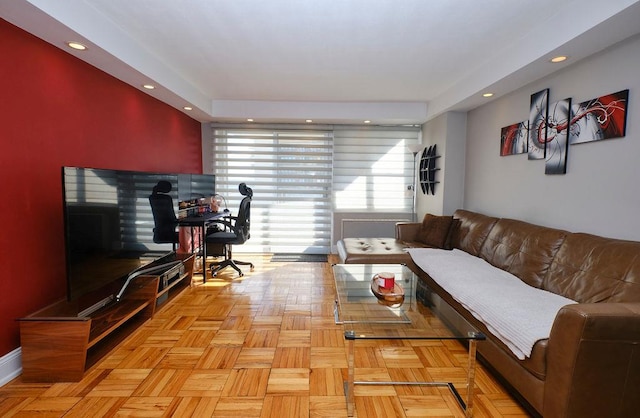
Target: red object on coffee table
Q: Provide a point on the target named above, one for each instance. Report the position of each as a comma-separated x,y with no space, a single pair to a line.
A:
395,295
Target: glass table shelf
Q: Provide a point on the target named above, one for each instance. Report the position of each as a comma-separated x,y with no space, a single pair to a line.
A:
366,315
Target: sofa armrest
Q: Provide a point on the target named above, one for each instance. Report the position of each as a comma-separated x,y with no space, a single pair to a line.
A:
407,231
593,361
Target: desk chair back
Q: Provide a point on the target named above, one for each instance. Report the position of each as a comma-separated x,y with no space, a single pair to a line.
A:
164,216
243,220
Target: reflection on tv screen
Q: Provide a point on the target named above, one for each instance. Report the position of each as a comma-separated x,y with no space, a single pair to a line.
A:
109,224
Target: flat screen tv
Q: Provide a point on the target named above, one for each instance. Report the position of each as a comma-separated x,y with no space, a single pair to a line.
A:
109,228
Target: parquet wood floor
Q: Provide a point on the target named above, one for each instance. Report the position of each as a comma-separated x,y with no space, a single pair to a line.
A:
262,345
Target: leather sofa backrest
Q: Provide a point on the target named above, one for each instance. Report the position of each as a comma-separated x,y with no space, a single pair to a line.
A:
590,268
582,267
523,249
469,230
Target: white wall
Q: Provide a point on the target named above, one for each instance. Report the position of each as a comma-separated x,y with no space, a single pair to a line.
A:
600,193
433,133
448,133
454,162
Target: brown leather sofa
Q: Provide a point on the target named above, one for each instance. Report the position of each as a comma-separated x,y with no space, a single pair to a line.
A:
590,365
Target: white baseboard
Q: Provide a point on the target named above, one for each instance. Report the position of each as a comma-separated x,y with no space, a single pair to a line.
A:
10,366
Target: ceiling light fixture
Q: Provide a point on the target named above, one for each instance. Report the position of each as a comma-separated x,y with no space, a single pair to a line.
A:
309,121
559,58
249,120
149,86
187,108
487,95
76,45
367,121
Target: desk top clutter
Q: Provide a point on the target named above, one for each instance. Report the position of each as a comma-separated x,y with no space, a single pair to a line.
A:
196,207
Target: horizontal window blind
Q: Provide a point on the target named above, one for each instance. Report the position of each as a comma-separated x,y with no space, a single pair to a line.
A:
290,172
301,176
373,169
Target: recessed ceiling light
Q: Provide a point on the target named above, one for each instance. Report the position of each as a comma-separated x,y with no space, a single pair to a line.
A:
76,45
249,120
149,86
367,121
559,58
487,95
309,121
187,108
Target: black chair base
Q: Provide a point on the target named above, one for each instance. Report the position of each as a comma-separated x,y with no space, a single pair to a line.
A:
217,266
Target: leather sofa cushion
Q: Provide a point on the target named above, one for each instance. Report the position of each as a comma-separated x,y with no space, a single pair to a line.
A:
469,231
590,269
373,251
523,249
435,230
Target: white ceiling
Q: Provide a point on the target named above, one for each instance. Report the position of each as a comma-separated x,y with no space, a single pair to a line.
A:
333,61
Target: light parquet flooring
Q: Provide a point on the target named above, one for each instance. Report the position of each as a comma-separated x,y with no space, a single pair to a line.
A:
262,345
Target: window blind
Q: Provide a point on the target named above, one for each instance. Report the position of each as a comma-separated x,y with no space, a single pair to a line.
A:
373,169
290,172
300,176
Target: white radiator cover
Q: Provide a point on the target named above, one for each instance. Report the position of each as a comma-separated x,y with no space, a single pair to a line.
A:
366,225
369,228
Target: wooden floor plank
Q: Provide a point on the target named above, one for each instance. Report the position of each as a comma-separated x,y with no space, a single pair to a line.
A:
285,406
290,382
261,345
204,383
327,406
251,383
327,382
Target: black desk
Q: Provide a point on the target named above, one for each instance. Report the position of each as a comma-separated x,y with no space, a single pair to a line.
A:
201,221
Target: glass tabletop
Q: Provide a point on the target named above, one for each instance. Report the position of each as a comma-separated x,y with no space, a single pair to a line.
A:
369,312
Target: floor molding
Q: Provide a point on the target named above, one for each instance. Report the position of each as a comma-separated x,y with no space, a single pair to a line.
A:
10,366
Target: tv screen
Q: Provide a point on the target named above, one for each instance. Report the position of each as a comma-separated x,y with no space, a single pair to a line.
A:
109,226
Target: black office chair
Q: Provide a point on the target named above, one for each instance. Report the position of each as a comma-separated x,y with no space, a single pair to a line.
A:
236,232
164,216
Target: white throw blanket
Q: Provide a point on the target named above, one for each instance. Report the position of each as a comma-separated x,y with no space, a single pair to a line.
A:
516,313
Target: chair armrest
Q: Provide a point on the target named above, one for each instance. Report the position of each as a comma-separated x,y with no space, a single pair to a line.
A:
593,361
230,225
407,231
221,221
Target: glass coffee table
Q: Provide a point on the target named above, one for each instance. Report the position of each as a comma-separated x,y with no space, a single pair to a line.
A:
366,315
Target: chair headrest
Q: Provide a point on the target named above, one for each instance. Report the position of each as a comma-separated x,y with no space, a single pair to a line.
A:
245,190
163,186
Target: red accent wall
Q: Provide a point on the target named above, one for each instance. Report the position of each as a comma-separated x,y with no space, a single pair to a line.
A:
57,110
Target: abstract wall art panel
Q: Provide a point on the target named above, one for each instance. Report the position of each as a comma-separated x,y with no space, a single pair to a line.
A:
601,118
513,139
557,142
537,124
